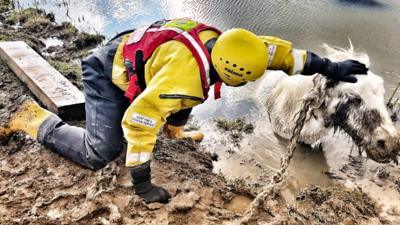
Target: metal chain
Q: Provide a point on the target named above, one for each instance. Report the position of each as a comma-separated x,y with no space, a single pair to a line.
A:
313,99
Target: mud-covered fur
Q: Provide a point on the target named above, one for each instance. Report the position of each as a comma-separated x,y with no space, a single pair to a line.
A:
358,109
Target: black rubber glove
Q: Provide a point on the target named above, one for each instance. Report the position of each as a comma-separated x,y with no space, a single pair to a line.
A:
341,71
141,179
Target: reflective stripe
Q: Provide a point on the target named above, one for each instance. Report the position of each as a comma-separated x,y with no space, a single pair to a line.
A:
271,54
137,35
177,30
152,30
203,56
298,61
134,158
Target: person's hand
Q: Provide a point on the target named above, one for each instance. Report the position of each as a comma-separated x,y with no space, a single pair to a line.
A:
345,71
339,71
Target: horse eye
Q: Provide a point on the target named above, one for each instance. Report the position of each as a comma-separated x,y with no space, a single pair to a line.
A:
381,143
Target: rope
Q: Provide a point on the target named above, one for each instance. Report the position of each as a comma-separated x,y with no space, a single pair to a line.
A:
313,100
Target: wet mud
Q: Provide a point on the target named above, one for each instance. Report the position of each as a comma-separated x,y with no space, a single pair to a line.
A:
40,187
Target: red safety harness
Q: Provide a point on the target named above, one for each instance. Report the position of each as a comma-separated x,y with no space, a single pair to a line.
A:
142,43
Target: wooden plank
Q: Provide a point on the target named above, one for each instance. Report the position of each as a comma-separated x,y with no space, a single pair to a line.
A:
46,83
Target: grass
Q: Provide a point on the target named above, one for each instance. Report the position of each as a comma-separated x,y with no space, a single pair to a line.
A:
68,30
24,15
85,40
4,37
235,125
68,68
37,24
72,71
4,5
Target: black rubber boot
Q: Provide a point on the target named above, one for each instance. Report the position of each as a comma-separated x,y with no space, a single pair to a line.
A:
141,179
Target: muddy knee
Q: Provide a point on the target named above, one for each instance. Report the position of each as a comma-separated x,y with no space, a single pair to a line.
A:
102,154
77,145
96,163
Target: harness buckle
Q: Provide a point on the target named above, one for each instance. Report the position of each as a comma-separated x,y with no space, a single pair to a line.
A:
129,67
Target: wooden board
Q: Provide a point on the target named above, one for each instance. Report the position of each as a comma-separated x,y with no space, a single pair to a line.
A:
46,83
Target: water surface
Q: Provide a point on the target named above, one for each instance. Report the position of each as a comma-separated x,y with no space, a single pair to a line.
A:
372,25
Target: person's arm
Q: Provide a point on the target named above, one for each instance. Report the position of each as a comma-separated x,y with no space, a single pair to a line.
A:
142,122
282,56
173,84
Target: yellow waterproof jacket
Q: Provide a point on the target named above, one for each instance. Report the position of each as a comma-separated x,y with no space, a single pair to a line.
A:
173,83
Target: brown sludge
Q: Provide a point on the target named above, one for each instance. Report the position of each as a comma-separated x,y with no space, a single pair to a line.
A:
38,187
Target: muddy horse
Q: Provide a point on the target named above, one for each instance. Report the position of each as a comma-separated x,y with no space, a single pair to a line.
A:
358,110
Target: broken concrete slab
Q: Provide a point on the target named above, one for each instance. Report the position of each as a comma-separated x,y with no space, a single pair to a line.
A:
46,83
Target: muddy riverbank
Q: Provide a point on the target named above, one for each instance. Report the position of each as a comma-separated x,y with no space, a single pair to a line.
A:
39,187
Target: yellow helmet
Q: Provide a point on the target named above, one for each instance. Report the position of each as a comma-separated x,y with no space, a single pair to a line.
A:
239,56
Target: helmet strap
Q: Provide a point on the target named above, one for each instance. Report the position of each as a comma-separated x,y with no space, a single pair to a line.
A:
213,73
214,77
210,44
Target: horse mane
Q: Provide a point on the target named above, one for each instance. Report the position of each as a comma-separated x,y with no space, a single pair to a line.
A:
338,54
367,86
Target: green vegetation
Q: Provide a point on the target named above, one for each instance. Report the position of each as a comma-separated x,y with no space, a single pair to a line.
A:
33,42
4,37
72,71
68,30
4,5
32,19
239,125
24,16
36,24
85,40
67,68
235,128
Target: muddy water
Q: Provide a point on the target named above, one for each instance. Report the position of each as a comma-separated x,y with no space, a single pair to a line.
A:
371,25
259,153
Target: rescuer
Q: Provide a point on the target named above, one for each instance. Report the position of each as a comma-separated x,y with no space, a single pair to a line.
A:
150,78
